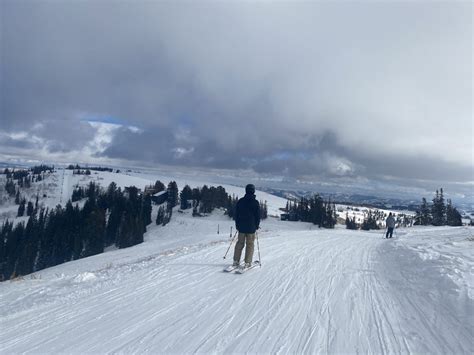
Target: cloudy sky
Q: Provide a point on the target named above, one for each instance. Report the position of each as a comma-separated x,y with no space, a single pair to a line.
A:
319,91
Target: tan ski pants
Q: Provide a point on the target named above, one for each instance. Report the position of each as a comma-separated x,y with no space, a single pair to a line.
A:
247,239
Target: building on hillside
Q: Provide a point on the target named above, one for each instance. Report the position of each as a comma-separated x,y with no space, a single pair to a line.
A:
290,216
159,197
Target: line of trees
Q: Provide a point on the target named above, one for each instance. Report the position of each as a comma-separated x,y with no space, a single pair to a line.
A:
202,200
52,237
17,174
314,210
96,168
438,213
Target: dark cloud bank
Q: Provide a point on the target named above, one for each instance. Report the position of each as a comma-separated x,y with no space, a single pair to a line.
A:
316,90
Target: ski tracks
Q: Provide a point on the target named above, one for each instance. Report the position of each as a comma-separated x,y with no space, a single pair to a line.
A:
317,292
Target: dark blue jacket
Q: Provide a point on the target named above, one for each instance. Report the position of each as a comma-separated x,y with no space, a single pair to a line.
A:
247,214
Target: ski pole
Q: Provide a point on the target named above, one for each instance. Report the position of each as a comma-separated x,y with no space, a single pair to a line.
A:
230,244
258,247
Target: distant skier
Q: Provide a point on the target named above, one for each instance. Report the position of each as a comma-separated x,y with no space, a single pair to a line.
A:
390,223
247,221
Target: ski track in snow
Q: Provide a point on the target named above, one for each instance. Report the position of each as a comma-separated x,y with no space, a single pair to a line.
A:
319,291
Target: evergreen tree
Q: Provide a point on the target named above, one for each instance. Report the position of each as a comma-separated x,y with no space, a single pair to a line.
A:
36,203
453,217
185,195
79,234
173,194
423,215
17,197
147,209
111,192
160,216
95,232
10,187
159,186
7,245
14,245
21,208
40,227
77,194
125,231
167,215
92,191
58,237
206,200
330,219
438,209
369,222
29,249
30,209
47,242
4,235
350,222
196,196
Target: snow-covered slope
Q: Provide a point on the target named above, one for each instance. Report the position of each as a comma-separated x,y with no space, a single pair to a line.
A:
66,182
318,291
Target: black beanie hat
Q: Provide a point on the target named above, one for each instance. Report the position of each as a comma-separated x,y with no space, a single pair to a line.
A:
250,189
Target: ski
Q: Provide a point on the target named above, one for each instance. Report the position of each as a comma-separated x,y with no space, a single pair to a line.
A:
242,270
231,268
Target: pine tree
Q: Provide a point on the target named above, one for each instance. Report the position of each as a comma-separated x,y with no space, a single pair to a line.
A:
369,222
95,231
36,203
29,209
438,209
173,194
10,187
159,186
425,217
28,253
111,193
160,215
185,195
125,231
4,235
206,200
453,217
196,196
7,248
21,208
14,247
113,224
350,222
147,209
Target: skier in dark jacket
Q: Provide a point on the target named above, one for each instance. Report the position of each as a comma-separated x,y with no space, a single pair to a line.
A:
247,221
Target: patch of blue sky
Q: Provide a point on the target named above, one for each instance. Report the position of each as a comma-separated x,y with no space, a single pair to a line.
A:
288,155
105,119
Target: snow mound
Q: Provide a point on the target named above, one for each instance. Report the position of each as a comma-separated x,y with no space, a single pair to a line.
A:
84,277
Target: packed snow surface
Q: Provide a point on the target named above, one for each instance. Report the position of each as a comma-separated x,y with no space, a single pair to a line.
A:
318,291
